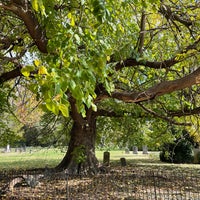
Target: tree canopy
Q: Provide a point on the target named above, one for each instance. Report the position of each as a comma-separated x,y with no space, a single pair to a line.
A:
150,48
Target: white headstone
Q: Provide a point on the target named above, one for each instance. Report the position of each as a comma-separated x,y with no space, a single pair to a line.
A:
7,148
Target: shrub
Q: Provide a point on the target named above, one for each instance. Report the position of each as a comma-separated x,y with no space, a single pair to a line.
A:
181,151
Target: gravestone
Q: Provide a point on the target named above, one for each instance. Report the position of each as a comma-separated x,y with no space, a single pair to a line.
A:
145,149
127,151
106,158
23,148
7,150
123,162
135,150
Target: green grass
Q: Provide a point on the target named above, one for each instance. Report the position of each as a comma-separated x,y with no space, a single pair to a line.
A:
41,157
32,158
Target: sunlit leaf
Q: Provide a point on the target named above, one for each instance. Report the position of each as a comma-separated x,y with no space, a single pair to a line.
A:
42,70
64,109
27,70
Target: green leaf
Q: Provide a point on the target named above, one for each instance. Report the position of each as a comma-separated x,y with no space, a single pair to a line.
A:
77,92
82,2
64,109
55,109
94,107
88,101
72,84
52,106
49,104
57,88
78,40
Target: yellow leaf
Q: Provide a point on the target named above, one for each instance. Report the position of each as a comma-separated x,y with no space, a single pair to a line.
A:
64,109
25,73
37,63
69,15
35,5
72,20
42,70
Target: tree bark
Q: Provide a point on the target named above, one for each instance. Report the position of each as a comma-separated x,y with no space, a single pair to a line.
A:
160,89
80,156
23,10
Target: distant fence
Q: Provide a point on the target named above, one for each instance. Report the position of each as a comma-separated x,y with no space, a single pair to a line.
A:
115,185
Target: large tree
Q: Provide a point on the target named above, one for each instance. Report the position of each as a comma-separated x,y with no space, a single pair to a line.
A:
74,55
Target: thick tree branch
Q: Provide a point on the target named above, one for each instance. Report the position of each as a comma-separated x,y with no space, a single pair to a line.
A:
108,113
131,62
142,33
159,89
11,74
185,112
24,12
74,112
170,15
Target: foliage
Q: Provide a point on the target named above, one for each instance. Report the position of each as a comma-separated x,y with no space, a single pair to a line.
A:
9,126
31,135
54,130
180,151
86,39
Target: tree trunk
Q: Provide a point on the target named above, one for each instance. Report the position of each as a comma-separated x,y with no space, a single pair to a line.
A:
80,155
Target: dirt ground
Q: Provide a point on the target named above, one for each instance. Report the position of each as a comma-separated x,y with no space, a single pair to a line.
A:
117,184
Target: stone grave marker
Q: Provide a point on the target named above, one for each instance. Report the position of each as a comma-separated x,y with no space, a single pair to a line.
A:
127,151
23,148
123,162
106,158
135,150
145,149
7,150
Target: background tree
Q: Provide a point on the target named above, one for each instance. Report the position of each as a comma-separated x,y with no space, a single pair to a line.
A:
76,54
9,126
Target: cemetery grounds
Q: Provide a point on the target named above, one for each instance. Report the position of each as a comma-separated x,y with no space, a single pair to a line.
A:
143,177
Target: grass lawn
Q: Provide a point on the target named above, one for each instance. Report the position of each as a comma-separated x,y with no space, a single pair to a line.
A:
32,158
41,157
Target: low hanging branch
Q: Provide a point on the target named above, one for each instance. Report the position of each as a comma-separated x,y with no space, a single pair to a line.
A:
159,89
